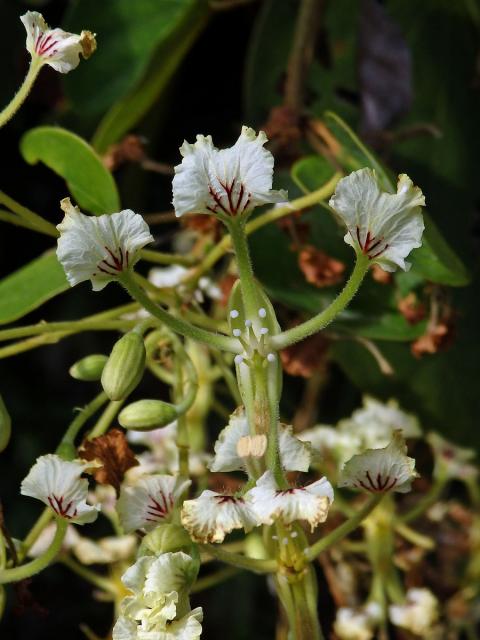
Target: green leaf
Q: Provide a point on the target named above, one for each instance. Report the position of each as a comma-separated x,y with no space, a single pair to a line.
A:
311,171
128,35
31,286
125,114
89,182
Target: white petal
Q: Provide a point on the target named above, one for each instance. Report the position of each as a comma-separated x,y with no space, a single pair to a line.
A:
58,484
380,470
212,515
310,503
231,181
149,501
57,48
170,572
187,628
452,461
45,539
359,623
125,629
106,550
295,455
382,225
99,248
167,277
328,442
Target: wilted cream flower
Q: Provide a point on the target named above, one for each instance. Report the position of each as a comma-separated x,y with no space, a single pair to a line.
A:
359,623
230,182
99,248
149,501
212,515
383,226
310,503
58,484
451,461
380,470
418,613
55,47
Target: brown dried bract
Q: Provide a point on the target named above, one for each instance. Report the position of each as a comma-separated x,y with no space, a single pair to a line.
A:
226,285
115,455
283,126
381,276
436,339
319,268
203,225
412,309
307,357
130,149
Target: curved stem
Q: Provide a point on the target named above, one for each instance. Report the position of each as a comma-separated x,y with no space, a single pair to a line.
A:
77,423
35,566
90,576
343,530
177,324
245,271
242,562
322,319
425,503
212,580
106,418
19,98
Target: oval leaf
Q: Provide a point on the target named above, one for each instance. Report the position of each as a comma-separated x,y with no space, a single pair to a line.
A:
89,182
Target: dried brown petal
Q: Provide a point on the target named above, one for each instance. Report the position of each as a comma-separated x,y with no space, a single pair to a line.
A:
412,309
381,276
115,455
283,126
306,357
130,149
203,225
319,268
226,286
436,338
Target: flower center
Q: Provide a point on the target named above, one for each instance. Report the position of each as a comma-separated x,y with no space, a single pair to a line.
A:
377,484
233,200
60,508
371,244
44,45
158,508
114,263
253,340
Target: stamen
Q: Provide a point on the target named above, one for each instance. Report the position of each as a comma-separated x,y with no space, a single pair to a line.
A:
234,313
237,333
271,357
262,313
248,323
264,331
238,359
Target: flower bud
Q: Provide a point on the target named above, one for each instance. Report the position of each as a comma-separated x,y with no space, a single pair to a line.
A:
166,538
124,368
145,415
5,426
89,368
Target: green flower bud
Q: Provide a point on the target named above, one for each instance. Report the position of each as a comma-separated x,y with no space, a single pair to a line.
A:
125,366
90,368
5,426
145,415
166,538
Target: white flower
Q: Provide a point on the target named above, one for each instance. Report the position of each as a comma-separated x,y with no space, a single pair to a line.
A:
159,587
384,226
451,461
310,503
173,276
55,47
149,501
212,515
99,248
380,470
230,182
59,485
418,613
44,540
376,421
105,550
294,454
357,624
328,442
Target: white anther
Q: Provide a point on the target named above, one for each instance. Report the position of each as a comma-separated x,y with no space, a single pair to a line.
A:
294,534
248,323
238,359
285,541
274,537
234,313
271,357
262,312
264,331
237,333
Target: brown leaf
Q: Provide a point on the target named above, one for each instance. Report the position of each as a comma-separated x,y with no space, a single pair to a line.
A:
412,309
115,455
130,149
319,268
283,127
203,225
306,357
437,338
226,286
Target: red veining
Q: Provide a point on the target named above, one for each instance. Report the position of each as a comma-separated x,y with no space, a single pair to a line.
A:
370,243
116,263
230,205
376,485
158,508
61,509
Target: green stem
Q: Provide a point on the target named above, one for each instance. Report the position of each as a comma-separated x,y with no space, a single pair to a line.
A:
34,532
19,98
12,218
68,440
307,626
207,582
177,324
426,502
106,418
35,566
90,576
322,319
251,302
343,530
36,221
66,327
158,257
242,562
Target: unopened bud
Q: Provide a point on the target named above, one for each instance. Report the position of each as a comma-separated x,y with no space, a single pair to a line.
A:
145,415
252,446
125,366
5,426
89,368
166,538
88,44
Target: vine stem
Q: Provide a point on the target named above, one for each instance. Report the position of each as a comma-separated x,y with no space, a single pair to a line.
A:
178,325
19,98
35,566
426,502
241,562
343,530
238,237
322,319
